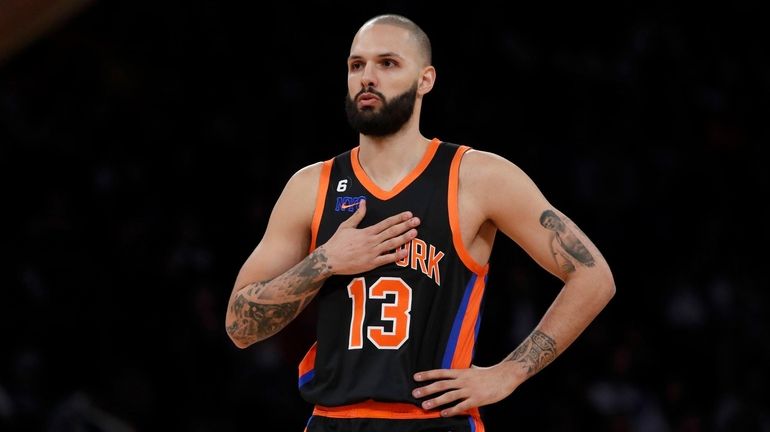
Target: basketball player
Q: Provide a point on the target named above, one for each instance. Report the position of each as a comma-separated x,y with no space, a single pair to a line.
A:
392,239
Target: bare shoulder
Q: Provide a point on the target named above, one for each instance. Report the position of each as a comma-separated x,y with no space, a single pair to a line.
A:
307,175
302,186
496,186
298,198
482,169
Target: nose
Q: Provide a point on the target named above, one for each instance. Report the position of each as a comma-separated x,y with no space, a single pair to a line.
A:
369,78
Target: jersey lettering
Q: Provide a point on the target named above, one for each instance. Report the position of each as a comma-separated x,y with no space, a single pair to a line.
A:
423,257
347,203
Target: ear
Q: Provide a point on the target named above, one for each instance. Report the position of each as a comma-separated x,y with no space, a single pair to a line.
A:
426,81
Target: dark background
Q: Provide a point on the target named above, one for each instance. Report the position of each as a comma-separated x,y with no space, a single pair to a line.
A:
143,144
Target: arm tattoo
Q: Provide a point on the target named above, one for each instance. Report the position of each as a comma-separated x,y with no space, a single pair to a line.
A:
571,249
261,309
262,320
535,353
315,265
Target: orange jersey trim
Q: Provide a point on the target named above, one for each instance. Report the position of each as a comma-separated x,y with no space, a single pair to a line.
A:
406,181
374,409
476,415
320,200
389,410
308,362
454,216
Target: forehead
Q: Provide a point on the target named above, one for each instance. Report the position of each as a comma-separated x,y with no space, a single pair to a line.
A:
378,39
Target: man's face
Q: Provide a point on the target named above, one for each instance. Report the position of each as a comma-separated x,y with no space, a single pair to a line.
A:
553,223
383,69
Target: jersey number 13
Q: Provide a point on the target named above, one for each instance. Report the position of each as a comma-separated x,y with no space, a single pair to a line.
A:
397,312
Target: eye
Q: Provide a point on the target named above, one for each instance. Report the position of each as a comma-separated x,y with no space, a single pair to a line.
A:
355,66
388,63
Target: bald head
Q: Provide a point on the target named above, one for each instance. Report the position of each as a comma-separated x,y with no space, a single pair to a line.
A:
415,33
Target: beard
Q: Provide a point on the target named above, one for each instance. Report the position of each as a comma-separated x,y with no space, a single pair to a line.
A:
388,120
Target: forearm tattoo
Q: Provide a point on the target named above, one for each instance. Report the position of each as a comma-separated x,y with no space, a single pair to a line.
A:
567,248
535,353
261,309
262,319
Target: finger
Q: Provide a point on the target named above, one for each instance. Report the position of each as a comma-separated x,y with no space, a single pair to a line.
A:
444,399
390,257
434,388
398,229
356,217
435,374
399,241
390,221
458,409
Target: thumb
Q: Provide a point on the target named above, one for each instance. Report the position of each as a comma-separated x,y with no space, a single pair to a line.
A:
357,217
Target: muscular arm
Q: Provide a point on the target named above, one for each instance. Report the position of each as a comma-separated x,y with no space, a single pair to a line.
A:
279,279
556,244
261,309
497,195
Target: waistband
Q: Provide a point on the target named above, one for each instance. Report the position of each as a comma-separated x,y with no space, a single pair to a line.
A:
375,409
382,410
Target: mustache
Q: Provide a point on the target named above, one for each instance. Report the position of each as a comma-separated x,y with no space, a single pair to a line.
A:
370,90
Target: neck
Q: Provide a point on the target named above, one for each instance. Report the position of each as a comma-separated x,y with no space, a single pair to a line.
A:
387,160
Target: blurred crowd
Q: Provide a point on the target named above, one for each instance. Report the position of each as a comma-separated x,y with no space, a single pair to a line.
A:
142,147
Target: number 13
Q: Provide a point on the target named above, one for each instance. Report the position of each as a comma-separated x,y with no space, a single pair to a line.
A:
397,312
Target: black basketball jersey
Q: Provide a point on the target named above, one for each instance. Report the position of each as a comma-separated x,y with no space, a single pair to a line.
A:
376,329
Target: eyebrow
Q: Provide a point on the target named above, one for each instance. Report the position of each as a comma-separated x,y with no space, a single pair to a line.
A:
383,55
